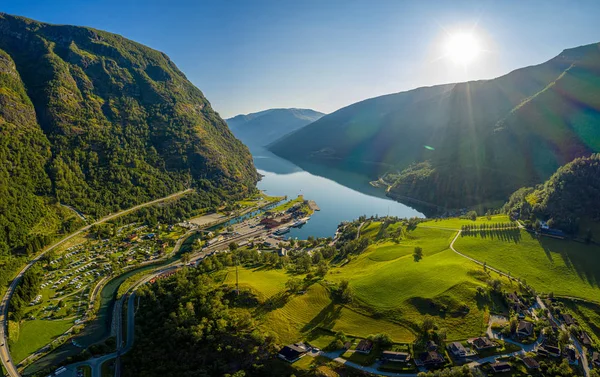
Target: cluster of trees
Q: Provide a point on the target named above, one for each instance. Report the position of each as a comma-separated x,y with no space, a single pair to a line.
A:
190,325
566,198
463,371
28,288
486,226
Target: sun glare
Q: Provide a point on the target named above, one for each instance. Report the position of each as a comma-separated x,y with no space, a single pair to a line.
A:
462,48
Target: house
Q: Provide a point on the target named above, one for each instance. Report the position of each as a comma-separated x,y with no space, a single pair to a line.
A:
568,319
457,349
531,363
430,359
482,343
364,346
397,357
596,359
547,350
293,352
525,329
500,367
572,355
585,339
282,252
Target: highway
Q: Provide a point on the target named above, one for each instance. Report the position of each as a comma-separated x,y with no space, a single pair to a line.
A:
4,350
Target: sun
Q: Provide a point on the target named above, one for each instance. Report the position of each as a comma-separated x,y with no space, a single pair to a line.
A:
462,48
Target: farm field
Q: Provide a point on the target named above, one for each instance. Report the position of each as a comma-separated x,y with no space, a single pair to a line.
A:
35,334
392,292
302,316
549,265
442,285
457,223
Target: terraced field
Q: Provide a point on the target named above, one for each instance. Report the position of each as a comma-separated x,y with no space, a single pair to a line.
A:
549,265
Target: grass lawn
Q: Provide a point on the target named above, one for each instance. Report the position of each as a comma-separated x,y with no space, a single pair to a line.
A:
442,284
549,265
457,223
361,358
262,281
303,315
431,240
36,334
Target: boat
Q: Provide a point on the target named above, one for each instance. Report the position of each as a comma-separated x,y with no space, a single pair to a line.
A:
299,223
281,231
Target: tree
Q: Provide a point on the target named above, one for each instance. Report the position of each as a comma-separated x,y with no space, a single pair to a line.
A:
322,269
233,246
293,285
418,253
428,324
564,338
344,292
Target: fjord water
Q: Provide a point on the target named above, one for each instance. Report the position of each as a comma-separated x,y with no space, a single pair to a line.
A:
341,196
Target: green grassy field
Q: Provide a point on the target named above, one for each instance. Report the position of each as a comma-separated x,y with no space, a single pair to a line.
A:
548,265
441,284
457,223
35,334
264,282
392,292
301,316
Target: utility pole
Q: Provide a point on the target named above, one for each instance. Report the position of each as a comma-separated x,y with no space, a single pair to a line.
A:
237,281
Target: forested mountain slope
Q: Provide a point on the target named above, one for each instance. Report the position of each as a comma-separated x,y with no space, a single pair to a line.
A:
264,127
99,122
568,197
466,143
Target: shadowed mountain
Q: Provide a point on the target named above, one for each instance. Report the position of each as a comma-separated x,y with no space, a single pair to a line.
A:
462,144
264,127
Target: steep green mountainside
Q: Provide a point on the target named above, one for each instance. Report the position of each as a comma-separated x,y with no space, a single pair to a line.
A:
569,197
99,122
264,127
461,144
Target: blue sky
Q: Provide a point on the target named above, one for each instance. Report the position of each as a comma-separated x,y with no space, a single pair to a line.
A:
251,55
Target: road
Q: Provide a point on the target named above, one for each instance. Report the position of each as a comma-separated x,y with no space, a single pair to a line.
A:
4,351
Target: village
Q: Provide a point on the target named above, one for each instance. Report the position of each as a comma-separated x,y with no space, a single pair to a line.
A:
537,331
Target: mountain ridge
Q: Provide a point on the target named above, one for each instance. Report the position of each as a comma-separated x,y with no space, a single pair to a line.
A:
266,126
454,127
118,121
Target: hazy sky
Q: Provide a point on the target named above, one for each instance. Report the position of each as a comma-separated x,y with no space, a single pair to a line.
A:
252,55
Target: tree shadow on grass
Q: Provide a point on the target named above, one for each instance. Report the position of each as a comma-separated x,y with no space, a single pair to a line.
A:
274,302
325,318
582,258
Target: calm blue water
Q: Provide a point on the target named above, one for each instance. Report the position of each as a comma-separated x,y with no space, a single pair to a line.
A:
338,202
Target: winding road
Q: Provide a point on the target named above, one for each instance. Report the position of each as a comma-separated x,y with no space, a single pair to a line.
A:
5,357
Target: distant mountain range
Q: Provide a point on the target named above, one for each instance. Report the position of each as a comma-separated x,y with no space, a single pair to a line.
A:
265,127
467,143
